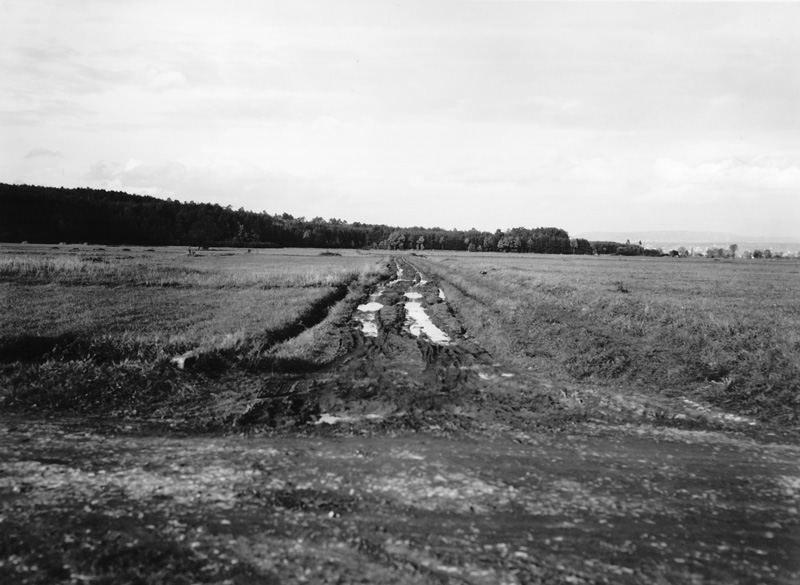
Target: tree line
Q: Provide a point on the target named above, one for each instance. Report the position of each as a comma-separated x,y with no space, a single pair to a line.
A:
57,214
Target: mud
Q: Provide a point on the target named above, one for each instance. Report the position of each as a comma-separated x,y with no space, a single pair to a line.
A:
636,507
412,362
410,460
413,367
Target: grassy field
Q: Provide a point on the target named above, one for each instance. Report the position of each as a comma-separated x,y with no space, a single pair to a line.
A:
724,332
546,439
93,330
721,332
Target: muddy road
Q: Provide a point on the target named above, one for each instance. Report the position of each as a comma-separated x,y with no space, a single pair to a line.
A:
416,458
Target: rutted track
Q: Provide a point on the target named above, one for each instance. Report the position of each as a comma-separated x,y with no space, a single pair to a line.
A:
480,495
413,366
314,315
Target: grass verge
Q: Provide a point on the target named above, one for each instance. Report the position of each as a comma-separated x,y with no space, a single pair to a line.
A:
75,347
726,334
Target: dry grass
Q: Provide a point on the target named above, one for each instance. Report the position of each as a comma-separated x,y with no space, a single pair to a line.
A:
163,318
214,272
724,332
314,345
96,336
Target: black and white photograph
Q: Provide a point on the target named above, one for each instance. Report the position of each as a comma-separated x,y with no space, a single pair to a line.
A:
448,292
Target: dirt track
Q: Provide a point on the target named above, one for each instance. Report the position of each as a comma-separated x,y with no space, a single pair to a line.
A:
398,380
408,461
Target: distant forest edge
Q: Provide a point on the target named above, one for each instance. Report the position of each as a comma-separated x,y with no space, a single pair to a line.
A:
56,214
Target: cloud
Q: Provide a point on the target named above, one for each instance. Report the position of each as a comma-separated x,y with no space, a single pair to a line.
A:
163,78
477,112
132,164
43,152
212,178
36,110
732,174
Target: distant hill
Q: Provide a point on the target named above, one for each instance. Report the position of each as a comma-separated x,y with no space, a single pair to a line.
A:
669,239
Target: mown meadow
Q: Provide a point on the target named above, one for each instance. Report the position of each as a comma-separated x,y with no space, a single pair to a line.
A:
297,450
93,330
88,330
722,332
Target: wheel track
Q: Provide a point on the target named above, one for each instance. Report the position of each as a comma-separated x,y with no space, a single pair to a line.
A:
397,379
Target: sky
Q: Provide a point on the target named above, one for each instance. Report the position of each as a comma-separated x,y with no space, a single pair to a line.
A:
585,116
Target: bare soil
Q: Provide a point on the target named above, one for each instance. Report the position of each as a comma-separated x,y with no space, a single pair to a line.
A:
406,461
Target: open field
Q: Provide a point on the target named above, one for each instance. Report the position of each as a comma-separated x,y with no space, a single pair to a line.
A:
84,322
431,418
722,332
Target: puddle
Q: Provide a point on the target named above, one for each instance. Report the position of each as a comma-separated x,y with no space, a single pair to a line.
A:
399,275
366,315
489,376
330,419
418,321
718,414
441,295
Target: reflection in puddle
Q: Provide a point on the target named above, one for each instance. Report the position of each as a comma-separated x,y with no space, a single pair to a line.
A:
718,414
366,316
418,321
399,275
330,419
485,376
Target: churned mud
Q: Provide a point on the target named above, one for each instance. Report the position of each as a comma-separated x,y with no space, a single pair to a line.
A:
416,458
638,507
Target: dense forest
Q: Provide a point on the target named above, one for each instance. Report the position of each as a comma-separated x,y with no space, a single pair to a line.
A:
53,215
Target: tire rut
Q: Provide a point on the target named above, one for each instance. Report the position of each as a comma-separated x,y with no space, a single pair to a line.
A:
401,374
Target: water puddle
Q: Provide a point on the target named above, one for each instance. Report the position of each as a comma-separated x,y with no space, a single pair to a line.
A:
419,322
718,414
366,315
330,419
441,295
399,275
490,376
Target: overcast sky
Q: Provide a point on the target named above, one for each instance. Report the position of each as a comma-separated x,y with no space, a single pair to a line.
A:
586,116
